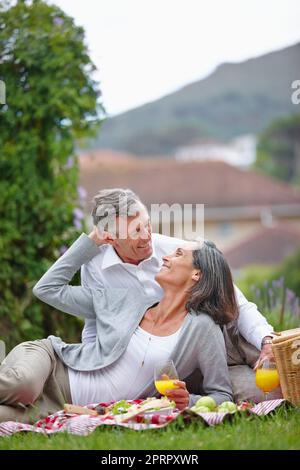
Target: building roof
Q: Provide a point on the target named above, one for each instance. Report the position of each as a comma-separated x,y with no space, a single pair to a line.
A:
215,184
268,246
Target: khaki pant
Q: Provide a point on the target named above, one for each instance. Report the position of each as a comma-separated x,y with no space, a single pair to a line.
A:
33,382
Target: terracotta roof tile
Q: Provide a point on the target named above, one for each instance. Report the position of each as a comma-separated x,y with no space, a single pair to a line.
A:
215,184
266,246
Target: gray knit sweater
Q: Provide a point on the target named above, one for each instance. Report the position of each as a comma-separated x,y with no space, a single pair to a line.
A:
118,312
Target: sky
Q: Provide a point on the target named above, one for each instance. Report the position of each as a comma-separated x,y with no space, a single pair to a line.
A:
145,49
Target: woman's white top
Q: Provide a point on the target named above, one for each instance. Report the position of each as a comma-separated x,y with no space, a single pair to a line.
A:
127,377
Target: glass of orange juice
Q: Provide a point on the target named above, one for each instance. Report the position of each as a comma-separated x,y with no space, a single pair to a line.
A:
267,377
165,375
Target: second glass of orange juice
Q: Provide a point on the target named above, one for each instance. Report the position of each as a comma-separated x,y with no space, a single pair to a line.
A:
267,377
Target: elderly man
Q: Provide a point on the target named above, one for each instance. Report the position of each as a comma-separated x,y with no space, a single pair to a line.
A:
131,256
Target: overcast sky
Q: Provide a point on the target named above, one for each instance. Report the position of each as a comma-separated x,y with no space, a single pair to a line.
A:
144,49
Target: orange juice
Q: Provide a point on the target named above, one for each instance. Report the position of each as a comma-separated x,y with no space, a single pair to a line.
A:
163,385
267,379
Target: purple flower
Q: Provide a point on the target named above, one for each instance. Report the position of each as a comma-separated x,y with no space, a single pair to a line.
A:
63,249
290,295
278,283
69,164
78,214
58,21
77,223
270,292
81,193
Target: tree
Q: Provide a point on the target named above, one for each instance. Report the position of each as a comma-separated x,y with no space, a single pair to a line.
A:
279,149
51,102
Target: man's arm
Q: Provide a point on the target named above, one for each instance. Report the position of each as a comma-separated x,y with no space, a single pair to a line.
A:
89,279
54,289
252,325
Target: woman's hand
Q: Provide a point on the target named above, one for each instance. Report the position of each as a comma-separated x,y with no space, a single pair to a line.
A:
101,238
180,395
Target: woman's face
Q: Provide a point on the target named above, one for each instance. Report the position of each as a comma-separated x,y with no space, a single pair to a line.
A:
177,269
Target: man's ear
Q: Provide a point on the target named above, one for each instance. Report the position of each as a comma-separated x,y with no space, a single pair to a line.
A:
109,237
105,236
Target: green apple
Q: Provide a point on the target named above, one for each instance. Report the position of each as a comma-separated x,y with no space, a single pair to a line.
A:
208,402
227,407
202,409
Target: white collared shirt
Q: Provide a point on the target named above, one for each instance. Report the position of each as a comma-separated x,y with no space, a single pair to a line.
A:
108,270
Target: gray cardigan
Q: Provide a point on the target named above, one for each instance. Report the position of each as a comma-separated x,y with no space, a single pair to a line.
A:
118,312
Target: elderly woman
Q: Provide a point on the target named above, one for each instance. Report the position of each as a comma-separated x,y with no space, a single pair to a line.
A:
134,333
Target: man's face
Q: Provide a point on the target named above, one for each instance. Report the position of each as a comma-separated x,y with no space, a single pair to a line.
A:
134,242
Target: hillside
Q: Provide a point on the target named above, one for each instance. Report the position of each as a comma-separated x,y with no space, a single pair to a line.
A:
235,99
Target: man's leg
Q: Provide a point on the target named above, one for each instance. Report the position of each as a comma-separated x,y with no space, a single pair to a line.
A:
23,374
33,382
241,358
243,384
16,413
239,351
244,387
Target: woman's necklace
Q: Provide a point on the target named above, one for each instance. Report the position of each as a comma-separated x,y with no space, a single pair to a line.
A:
151,336
149,340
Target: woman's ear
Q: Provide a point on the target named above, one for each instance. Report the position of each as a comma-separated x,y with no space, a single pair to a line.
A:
196,276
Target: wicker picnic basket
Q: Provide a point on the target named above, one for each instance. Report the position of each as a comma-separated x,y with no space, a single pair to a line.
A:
286,349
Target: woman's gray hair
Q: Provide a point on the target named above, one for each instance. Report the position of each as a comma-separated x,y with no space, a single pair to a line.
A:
112,203
214,292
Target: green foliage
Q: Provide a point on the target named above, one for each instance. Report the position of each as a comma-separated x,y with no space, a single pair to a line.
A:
254,275
290,271
51,101
278,430
278,152
276,292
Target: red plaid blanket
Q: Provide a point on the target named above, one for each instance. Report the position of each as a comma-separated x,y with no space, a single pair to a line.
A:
85,424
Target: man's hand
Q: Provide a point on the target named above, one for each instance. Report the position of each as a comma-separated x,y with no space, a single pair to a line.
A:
180,395
266,353
101,238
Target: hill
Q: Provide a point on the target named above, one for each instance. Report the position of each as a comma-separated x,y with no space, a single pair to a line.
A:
237,98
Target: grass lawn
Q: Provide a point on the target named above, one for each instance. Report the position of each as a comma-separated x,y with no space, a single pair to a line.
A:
279,431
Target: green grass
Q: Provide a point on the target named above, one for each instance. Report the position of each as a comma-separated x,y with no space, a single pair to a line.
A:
281,430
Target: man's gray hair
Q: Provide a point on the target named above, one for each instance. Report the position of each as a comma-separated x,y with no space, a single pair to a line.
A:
112,203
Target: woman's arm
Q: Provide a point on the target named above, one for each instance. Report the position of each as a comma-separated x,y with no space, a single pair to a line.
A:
54,289
212,363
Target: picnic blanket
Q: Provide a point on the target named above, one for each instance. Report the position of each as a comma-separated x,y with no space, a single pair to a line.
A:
84,425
